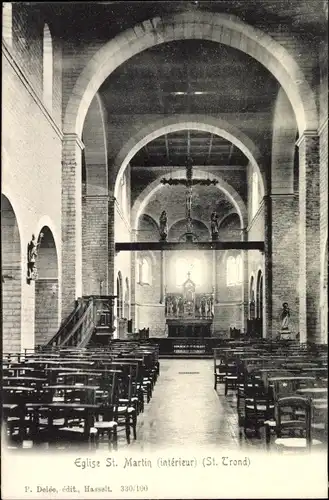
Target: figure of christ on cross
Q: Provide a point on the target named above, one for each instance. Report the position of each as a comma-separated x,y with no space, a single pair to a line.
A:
189,182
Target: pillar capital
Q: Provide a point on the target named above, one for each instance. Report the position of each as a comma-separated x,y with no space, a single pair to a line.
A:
73,138
306,134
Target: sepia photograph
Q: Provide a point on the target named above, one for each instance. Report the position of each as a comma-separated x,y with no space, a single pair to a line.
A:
164,250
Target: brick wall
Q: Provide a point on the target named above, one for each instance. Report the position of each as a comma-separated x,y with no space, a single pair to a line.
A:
31,143
309,237
323,132
95,244
149,313
122,232
46,310
27,48
11,310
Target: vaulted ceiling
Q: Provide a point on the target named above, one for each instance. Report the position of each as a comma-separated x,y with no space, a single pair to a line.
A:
202,148
112,17
189,76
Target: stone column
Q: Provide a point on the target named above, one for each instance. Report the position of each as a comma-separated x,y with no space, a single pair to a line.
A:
268,267
285,258
309,236
111,245
71,222
245,284
281,262
94,248
133,278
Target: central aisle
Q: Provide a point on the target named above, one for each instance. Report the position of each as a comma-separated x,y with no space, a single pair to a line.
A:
185,410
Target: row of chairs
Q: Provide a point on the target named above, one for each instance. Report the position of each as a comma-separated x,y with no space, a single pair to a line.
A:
69,395
279,388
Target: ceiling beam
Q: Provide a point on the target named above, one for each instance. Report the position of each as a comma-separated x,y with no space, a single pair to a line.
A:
199,245
230,153
167,147
188,143
209,148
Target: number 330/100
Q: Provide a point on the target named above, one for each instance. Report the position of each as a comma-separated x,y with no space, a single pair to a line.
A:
134,488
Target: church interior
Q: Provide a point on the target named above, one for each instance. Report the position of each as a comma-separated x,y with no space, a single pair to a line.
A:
165,230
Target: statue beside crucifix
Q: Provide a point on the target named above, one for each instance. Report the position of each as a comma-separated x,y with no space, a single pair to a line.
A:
214,226
189,182
163,226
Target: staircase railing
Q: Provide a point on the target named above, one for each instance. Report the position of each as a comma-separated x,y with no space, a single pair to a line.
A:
82,330
90,314
68,324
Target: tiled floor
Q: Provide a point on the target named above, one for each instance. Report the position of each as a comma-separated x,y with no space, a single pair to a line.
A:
185,410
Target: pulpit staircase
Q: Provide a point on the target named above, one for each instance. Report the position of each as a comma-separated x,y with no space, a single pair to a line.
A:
91,322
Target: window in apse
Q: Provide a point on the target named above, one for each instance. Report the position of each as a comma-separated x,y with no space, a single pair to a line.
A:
230,271
185,266
234,271
144,272
124,195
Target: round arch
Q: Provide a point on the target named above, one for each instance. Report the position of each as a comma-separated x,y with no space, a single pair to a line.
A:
252,302
46,311
127,299
259,294
218,27
119,296
11,277
167,125
46,221
95,147
144,197
177,229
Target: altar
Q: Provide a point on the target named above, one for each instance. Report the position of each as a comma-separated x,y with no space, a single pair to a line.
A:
189,327
189,314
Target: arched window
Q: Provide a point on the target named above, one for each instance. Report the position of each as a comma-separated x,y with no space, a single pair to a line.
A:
255,194
124,195
234,271
144,272
252,305
127,300
239,269
259,296
230,271
7,23
47,68
119,296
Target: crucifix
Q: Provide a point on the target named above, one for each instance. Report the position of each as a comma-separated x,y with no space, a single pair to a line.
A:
189,182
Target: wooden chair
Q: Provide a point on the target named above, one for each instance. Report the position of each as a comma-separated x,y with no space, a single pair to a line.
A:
126,412
234,376
292,425
68,417
107,398
258,408
219,367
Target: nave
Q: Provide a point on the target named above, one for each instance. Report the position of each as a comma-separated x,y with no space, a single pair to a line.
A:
264,395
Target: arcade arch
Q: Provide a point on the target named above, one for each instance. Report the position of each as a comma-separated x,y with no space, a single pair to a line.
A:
46,311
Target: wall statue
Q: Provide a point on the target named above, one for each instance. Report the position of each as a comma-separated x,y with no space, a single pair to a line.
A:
214,223
285,316
163,222
32,254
